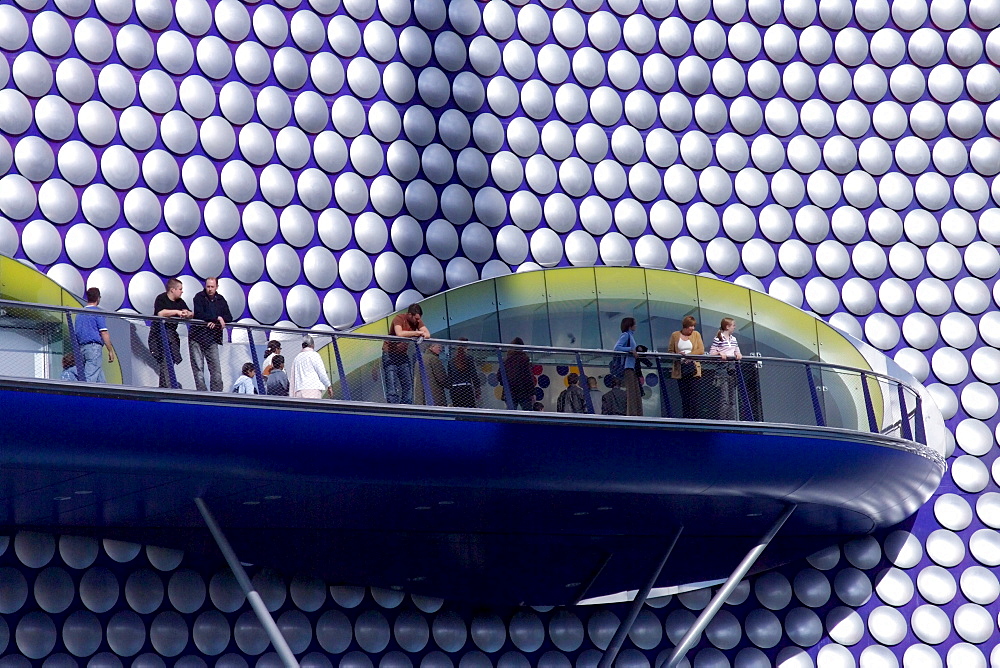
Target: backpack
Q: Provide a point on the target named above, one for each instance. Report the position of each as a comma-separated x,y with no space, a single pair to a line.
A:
577,404
617,367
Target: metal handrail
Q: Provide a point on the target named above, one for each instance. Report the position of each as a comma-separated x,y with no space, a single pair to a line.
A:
342,334
659,362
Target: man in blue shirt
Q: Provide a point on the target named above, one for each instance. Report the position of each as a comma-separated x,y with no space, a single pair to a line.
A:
92,336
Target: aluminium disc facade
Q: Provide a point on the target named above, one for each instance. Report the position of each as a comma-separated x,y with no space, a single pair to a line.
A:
331,160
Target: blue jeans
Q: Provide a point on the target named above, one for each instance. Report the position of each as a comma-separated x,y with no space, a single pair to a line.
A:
397,371
92,353
200,354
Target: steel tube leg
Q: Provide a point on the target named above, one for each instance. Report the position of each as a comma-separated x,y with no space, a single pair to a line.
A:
263,615
706,616
640,598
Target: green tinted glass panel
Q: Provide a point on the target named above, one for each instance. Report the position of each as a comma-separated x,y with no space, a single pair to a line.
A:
835,349
719,300
522,309
24,284
472,312
572,297
782,330
671,297
621,293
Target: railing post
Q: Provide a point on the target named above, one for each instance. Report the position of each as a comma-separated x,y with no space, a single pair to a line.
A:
664,399
345,389
918,422
168,355
259,376
505,381
75,346
744,397
904,416
424,381
869,406
814,395
583,376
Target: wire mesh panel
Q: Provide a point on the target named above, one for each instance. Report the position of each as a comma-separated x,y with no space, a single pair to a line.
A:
61,343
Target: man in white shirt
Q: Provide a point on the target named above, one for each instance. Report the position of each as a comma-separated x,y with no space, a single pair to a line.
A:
308,377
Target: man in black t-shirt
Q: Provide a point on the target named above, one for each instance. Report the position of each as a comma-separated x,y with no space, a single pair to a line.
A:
168,305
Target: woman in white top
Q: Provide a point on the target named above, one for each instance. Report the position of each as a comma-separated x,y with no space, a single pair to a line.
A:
728,349
309,378
687,372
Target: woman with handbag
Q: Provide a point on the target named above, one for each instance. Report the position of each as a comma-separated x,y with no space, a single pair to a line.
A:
630,377
687,372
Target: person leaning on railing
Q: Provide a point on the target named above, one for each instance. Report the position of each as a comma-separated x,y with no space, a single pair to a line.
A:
168,305
687,372
204,340
728,349
397,370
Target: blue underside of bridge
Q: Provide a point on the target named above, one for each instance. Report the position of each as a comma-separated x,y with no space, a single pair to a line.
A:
500,508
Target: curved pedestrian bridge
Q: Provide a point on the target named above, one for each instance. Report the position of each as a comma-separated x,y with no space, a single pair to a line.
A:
484,502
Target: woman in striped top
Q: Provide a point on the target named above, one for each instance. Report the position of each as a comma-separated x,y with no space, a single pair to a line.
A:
725,346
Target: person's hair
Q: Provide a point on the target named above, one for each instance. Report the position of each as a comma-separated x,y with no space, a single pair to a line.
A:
69,360
517,341
688,321
538,406
278,362
591,379
212,278
93,295
174,283
307,341
573,378
414,309
613,382
627,324
726,322
248,368
272,345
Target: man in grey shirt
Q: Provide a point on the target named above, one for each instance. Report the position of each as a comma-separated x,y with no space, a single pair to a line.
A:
277,380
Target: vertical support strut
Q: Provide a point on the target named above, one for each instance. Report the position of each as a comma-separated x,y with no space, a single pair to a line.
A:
640,598
505,382
869,406
744,398
344,387
588,401
918,422
904,415
706,616
814,395
424,381
664,399
259,376
256,602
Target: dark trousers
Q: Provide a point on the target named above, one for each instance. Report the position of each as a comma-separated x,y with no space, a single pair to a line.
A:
689,389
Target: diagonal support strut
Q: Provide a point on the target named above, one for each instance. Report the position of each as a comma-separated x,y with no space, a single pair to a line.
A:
256,602
640,598
691,637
